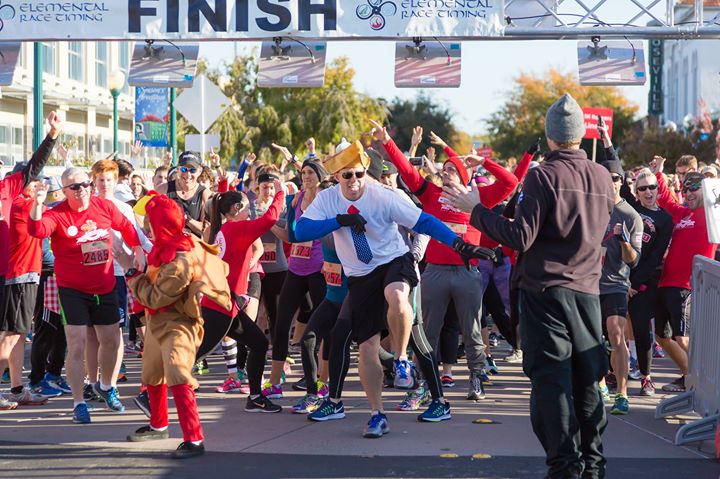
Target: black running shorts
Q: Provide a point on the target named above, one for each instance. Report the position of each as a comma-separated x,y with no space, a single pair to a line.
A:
83,309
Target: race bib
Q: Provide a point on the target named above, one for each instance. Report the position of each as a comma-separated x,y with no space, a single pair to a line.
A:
457,228
301,250
95,252
269,253
332,273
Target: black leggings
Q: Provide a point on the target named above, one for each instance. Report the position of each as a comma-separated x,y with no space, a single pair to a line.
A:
291,298
641,309
341,337
515,315
317,331
244,331
272,284
48,347
449,336
493,304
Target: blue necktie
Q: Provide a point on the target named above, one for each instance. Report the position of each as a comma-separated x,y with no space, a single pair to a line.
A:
362,248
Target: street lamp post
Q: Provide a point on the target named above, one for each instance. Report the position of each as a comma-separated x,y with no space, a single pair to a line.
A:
116,82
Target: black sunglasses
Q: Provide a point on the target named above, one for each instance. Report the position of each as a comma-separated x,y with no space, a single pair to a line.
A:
691,188
648,187
616,178
77,186
347,175
185,169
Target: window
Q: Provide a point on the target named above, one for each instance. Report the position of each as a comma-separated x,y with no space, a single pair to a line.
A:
101,64
124,63
49,58
75,61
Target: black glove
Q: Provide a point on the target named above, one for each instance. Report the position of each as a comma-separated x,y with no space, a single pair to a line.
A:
355,221
469,251
534,148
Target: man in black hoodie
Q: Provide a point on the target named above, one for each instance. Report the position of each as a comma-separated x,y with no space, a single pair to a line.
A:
560,221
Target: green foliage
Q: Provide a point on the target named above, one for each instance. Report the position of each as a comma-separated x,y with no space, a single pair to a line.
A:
641,145
422,111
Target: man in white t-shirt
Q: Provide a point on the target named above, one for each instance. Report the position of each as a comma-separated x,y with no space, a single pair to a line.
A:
364,219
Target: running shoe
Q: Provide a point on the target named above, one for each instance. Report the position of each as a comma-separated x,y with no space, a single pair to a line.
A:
122,377
376,427
242,376
327,411
5,376
605,393
493,339
476,390
405,374
272,391
621,406
491,366
485,378
608,347
323,389
658,352
201,368
26,398
461,351
89,393
261,404
233,385
436,412
287,367
111,397
388,378
307,404
6,404
147,433
414,399
44,389
300,385
447,381
142,401
187,449
81,414
647,387
677,386
516,357
611,381
635,374
633,362
58,382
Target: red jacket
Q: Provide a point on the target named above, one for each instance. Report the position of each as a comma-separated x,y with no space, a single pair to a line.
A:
430,197
689,238
25,251
82,243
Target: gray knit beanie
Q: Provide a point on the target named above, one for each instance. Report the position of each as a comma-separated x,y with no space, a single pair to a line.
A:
564,122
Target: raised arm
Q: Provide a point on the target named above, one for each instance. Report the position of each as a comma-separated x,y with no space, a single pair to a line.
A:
407,172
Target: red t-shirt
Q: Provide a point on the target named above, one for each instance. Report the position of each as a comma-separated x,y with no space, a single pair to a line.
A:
235,239
689,238
25,254
10,188
82,243
433,204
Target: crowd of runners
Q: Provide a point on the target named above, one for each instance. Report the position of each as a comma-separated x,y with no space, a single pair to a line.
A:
583,268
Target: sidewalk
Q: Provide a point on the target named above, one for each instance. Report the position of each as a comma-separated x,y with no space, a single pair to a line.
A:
288,445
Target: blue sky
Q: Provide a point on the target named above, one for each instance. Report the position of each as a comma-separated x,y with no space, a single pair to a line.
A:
488,68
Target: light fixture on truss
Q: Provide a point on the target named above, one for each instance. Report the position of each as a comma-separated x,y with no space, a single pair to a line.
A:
155,65
427,64
284,65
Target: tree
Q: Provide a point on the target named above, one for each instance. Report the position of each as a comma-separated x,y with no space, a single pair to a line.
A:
641,145
424,112
521,120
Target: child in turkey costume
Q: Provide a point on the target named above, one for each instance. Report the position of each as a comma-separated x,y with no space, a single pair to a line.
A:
180,269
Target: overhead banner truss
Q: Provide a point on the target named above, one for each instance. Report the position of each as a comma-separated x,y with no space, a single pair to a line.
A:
326,20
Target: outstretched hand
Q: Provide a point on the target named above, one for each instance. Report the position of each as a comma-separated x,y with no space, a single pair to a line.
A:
460,198
468,251
379,132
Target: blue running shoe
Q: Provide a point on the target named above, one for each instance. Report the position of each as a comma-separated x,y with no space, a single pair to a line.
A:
436,412
621,405
44,389
111,398
5,376
327,411
491,366
81,415
405,375
58,382
376,427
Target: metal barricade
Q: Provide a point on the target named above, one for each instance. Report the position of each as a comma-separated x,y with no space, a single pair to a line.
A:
703,379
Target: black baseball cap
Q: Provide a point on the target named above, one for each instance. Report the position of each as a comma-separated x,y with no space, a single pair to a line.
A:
189,158
388,168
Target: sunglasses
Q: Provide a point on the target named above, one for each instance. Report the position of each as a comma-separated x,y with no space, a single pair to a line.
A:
691,188
616,178
77,186
347,175
648,187
185,169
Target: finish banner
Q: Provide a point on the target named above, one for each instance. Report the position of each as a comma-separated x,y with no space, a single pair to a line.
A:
33,20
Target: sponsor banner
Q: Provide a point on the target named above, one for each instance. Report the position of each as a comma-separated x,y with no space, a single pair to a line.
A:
151,116
591,121
32,20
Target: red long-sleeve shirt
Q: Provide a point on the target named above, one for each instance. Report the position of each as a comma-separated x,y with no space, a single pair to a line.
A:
689,238
82,243
25,254
235,239
430,197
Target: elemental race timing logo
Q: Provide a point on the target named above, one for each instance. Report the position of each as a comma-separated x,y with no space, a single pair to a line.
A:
376,11
7,12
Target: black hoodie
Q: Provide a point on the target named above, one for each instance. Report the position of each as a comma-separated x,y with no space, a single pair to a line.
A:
559,224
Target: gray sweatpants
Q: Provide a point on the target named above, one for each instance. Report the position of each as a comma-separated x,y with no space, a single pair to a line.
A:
442,284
